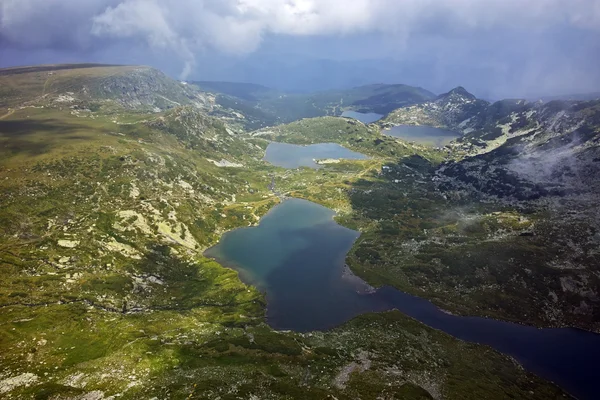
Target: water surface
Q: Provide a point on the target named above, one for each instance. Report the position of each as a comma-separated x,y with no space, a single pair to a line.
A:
294,156
421,134
296,255
365,118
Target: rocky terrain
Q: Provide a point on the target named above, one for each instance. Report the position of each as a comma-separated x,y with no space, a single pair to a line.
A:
517,198
457,109
486,126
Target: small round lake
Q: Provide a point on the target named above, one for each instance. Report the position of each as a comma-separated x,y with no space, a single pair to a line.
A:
296,256
365,118
294,156
421,134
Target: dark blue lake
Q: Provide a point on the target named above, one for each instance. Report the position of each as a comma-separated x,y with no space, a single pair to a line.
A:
365,118
296,256
421,134
294,156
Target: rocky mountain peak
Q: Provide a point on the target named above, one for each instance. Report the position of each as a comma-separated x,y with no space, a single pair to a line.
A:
457,92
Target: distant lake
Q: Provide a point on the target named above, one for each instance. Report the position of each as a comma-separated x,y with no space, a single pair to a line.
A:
421,134
296,256
365,118
294,156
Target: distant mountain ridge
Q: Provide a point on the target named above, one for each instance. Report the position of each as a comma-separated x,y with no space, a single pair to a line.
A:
244,91
271,107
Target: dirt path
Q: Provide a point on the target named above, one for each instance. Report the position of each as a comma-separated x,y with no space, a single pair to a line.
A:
45,84
8,114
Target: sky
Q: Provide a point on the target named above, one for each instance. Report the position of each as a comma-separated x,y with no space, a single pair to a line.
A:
494,48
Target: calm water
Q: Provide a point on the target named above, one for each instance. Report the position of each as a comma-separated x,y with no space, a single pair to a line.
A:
296,255
294,156
425,135
365,118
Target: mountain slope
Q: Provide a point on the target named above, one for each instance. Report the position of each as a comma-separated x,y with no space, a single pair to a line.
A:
449,110
486,126
106,204
132,87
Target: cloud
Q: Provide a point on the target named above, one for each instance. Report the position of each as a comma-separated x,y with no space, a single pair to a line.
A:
190,27
238,25
145,20
49,23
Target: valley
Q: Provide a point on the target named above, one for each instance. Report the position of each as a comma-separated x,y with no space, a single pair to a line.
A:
115,180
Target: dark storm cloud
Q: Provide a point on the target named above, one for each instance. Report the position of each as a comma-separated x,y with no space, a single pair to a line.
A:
64,24
514,45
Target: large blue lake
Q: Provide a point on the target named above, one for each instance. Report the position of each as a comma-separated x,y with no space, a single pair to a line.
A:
421,134
296,256
294,156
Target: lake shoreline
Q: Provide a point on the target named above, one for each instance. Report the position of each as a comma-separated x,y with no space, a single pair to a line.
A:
294,156
424,135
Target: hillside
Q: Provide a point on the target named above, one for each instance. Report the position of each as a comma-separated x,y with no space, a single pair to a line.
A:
113,180
448,110
94,86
